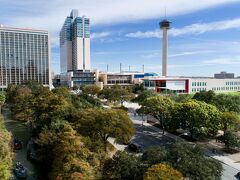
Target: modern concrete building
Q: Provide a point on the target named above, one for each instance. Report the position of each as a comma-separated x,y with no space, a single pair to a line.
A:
165,26
123,79
25,55
224,75
189,85
75,51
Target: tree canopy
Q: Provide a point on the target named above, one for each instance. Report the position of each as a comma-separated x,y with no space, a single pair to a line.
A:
199,118
191,161
100,124
159,107
116,94
230,121
91,89
230,139
2,99
162,172
144,95
6,153
206,96
124,166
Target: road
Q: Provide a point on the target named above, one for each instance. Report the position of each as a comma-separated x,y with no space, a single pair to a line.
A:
229,172
20,131
147,137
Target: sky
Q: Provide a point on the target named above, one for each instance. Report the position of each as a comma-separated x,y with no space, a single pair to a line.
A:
204,37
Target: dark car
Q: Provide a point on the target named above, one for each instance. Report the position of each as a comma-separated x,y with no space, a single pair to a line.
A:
237,175
135,147
17,144
20,171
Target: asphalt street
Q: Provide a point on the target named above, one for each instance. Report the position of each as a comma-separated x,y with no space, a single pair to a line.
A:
147,137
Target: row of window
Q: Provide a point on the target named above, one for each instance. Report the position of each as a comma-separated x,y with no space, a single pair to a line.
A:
198,89
199,84
233,83
226,88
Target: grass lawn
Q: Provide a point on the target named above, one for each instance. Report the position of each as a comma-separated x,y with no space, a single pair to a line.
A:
232,93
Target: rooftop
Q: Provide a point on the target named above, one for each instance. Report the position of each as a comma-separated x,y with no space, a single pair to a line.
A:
21,29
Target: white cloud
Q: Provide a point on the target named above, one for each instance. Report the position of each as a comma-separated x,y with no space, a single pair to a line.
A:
223,61
198,28
100,35
190,53
147,34
152,55
50,15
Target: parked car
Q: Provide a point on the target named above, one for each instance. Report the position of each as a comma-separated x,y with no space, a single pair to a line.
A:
237,175
20,171
135,147
17,144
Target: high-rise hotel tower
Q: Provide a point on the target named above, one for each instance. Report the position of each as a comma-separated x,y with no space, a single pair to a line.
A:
75,51
24,56
75,43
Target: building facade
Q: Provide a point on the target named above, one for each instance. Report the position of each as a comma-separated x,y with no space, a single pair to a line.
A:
24,56
191,84
75,43
224,75
75,51
123,79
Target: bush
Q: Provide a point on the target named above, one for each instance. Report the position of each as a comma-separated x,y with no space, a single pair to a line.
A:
5,153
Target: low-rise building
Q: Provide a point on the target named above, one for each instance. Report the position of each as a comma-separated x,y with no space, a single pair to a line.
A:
189,85
78,78
224,75
123,79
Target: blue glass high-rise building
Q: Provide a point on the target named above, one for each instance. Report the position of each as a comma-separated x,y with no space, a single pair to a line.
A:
75,43
75,51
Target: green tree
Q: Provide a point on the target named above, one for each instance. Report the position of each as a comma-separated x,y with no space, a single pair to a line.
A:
10,93
47,108
226,102
2,99
64,154
5,153
116,94
36,87
197,117
230,121
144,95
91,89
162,172
71,157
138,88
23,104
159,107
180,98
206,96
154,155
61,91
230,140
123,166
191,161
100,124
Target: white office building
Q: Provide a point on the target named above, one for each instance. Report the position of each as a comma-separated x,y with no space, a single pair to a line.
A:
24,56
190,85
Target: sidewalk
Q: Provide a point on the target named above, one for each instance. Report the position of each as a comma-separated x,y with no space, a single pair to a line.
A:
223,158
